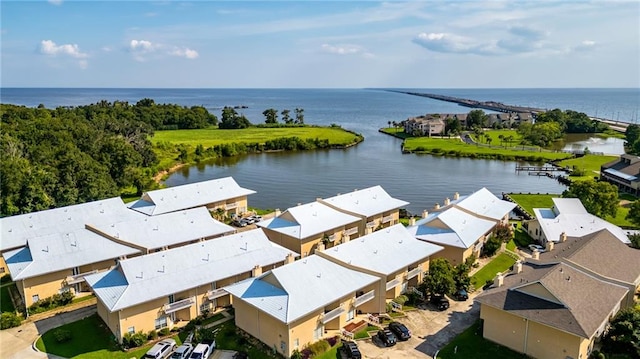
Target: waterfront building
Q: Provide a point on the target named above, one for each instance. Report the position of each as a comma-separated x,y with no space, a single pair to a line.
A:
482,204
425,125
623,172
302,302
169,288
222,194
559,303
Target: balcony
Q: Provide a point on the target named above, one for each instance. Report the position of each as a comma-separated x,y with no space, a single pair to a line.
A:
78,278
414,272
392,284
332,238
387,219
216,293
351,231
176,306
371,224
332,314
229,206
365,297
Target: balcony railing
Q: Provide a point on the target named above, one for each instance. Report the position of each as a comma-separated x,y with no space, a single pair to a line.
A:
181,304
78,278
216,293
365,298
371,224
387,219
231,205
414,272
393,283
351,231
332,314
332,238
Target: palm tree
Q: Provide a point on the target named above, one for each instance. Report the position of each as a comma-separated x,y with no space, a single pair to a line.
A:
501,137
389,123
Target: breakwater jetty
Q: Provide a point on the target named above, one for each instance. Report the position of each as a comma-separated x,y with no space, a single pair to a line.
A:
487,105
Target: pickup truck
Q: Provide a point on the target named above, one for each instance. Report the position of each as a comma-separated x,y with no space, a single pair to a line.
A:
204,349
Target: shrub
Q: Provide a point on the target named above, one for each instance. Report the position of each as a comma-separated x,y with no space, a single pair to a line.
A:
296,354
164,332
137,339
401,299
10,320
319,347
62,335
153,335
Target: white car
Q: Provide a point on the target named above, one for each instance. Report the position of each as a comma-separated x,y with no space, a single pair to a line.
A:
161,349
536,247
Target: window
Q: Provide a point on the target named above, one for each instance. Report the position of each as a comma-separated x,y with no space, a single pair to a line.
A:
1,269
205,307
296,342
171,299
161,323
131,330
35,298
318,332
283,346
351,314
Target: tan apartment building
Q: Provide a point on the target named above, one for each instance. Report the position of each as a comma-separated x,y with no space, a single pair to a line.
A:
302,302
558,303
218,194
425,125
171,287
397,258
302,228
374,206
461,234
482,204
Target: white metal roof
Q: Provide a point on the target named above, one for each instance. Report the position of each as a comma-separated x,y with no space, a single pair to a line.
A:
484,203
462,229
17,229
302,287
385,251
152,232
309,219
570,216
189,196
366,202
59,251
141,279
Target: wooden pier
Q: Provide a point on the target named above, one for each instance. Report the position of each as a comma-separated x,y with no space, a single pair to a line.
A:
537,169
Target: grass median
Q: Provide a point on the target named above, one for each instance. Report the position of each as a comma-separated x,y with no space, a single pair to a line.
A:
500,263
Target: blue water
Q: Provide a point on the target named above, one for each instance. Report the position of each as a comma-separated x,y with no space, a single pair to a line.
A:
284,179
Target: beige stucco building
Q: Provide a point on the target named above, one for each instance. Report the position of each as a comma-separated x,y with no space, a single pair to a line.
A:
303,302
170,288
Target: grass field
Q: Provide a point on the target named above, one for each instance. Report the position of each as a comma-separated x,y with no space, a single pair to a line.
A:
590,164
471,344
213,136
500,263
456,147
531,201
495,138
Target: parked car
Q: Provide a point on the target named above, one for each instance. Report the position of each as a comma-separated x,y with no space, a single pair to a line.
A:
461,295
400,330
240,355
387,337
351,350
240,222
183,351
161,349
255,218
203,350
440,301
536,247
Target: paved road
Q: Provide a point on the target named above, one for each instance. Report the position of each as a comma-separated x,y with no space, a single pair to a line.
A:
15,343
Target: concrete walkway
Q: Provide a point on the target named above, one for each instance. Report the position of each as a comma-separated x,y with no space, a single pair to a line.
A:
16,343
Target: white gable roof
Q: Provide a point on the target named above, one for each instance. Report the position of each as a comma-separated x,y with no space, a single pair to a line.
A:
304,286
189,196
141,279
152,232
310,219
16,230
570,216
366,202
385,251
59,251
462,229
485,204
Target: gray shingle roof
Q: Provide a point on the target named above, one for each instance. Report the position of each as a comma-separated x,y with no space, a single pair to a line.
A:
189,196
141,279
292,291
581,303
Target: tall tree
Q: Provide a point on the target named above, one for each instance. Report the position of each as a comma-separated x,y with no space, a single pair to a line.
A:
599,198
476,118
623,335
299,116
440,279
271,115
634,213
286,116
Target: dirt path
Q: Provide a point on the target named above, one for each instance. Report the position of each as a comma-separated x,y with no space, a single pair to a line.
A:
158,177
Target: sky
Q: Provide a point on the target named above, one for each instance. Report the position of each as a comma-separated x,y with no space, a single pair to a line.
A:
320,44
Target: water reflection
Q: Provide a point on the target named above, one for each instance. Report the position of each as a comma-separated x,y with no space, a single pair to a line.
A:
580,141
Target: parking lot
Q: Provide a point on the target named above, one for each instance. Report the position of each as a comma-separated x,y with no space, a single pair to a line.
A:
431,330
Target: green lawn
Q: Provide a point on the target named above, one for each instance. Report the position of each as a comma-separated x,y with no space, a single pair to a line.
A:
501,263
455,147
471,344
620,220
495,137
330,354
214,136
531,201
6,305
396,131
521,238
511,245
90,339
589,163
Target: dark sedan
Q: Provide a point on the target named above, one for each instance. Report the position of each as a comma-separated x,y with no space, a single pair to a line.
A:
400,330
387,338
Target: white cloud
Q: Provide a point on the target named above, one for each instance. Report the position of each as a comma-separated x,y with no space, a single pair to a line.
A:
451,43
586,45
185,52
141,48
55,2
48,47
345,49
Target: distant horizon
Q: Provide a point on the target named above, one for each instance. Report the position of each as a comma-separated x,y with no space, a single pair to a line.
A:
316,45
322,88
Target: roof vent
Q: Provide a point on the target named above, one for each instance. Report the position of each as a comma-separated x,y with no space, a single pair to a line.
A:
319,275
